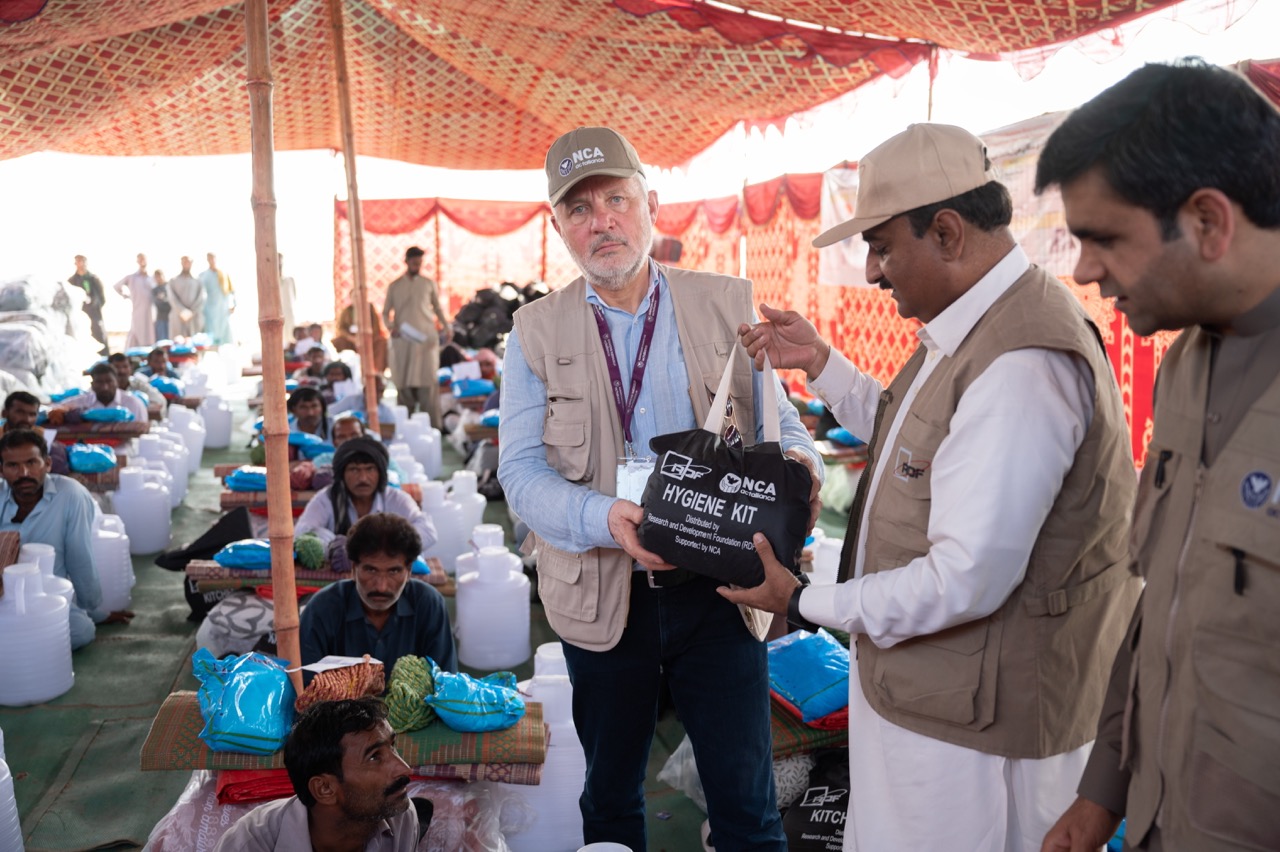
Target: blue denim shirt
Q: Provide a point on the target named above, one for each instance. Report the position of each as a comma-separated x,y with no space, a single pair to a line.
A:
574,517
63,518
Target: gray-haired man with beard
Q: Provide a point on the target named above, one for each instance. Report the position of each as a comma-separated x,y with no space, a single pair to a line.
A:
629,351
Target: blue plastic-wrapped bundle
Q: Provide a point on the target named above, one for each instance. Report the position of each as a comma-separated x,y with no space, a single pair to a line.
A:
843,436
246,702
309,446
90,458
247,477
463,388
246,553
810,671
466,704
169,387
110,414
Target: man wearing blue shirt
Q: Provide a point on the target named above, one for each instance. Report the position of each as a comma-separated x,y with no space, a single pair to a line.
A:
382,612
628,620
50,509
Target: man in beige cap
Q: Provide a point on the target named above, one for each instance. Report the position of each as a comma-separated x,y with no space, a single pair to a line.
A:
631,350
984,572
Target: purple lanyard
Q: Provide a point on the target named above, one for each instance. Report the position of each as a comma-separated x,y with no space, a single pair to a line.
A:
626,403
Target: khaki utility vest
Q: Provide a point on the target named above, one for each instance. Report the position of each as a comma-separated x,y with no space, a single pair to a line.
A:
1202,733
586,595
1028,680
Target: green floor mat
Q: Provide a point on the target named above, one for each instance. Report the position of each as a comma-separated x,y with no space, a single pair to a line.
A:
87,806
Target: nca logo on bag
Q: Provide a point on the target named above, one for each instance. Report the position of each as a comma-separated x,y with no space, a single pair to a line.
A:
732,483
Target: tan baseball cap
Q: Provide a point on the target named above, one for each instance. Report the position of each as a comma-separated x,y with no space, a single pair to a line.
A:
924,164
585,152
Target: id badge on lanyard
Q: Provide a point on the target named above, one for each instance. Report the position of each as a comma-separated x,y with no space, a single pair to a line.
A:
633,475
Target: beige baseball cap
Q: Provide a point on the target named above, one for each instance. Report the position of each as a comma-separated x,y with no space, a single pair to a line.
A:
924,164
585,152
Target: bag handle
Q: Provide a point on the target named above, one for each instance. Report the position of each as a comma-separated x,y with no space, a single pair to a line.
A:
768,403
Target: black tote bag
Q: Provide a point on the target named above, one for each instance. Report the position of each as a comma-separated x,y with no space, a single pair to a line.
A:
706,499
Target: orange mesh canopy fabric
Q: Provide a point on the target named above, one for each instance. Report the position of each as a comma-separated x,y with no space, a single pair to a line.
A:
471,85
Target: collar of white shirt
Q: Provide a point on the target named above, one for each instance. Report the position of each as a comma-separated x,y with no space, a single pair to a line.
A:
949,329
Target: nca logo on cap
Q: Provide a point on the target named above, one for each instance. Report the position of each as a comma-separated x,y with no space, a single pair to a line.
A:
580,157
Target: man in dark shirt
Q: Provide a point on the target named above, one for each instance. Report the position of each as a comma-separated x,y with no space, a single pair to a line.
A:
97,297
382,611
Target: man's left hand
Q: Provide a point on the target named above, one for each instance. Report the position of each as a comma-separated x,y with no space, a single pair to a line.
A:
775,592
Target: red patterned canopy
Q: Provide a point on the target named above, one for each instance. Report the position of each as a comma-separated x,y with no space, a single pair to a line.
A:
476,85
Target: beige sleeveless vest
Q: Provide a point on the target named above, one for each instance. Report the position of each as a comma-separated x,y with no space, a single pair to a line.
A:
1028,680
586,595
1203,717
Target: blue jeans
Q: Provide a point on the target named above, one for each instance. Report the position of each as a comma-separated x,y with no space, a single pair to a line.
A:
719,680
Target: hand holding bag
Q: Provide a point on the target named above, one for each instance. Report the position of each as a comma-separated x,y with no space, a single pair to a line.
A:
706,499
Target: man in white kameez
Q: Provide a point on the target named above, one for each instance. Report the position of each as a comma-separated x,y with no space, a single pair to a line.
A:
186,297
985,573
136,287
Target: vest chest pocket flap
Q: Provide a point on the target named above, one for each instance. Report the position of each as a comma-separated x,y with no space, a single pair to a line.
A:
564,432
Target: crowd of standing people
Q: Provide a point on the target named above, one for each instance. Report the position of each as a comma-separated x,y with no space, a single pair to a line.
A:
162,308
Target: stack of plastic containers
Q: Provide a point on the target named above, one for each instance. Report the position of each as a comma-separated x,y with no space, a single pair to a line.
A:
144,508
36,637
556,819
448,518
217,422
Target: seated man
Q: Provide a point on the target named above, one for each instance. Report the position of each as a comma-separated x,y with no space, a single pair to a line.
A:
382,612
50,509
346,427
346,336
339,381
312,375
20,412
349,786
360,488
355,402
310,412
104,392
158,364
315,339
128,380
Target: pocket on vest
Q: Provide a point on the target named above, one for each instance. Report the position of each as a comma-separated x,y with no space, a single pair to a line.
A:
1234,790
564,433
569,583
947,676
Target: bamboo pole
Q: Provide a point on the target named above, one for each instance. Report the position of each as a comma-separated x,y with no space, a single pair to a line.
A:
270,324
360,294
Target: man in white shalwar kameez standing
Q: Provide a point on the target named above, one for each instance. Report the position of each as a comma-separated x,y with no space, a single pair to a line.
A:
136,287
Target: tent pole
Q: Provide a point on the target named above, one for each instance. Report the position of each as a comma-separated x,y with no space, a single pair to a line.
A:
270,324
355,217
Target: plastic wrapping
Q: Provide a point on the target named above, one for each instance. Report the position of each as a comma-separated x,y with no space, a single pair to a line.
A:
168,386
246,701
464,703
110,414
309,446
811,672
247,478
247,553
90,458
463,388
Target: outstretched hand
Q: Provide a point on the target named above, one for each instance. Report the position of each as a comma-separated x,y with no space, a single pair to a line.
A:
120,616
624,520
790,340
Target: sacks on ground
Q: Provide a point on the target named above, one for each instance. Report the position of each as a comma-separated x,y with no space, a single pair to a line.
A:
706,499
491,703
246,702
90,458
810,672
816,822
236,623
